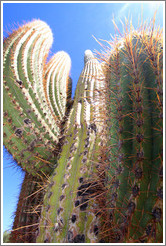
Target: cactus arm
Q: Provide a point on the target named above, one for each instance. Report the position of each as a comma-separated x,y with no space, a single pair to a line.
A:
86,230
58,178
57,222
49,90
12,87
57,75
41,46
30,130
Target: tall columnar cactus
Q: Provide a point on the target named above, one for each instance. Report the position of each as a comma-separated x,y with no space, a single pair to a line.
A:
134,151
102,153
33,105
69,199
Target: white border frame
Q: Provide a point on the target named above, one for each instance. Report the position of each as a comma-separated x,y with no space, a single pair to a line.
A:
162,2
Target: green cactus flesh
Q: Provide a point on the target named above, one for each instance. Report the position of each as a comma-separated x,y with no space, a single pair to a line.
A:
31,125
101,152
134,109
62,217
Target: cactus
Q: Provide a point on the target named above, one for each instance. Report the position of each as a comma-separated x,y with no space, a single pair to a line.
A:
62,217
134,151
100,153
28,210
33,109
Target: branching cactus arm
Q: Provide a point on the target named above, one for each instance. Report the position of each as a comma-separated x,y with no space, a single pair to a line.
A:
67,202
31,129
56,84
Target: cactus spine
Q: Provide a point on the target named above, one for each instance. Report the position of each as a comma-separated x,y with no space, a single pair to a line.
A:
102,152
28,210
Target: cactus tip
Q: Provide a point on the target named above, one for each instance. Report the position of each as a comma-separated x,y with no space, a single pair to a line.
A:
88,55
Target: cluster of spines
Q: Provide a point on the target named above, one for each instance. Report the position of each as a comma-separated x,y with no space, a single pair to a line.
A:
31,129
27,215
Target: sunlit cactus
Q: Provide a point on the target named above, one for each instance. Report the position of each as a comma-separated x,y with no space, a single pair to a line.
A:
56,83
31,124
94,161
70,200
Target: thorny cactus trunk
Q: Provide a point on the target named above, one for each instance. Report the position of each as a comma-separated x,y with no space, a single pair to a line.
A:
98,159
28,210
134,148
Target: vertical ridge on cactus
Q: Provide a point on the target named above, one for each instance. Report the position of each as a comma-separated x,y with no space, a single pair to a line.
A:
57,74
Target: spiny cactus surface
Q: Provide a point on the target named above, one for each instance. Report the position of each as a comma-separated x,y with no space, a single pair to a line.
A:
69,199
27,215
35,96
134,151
101,153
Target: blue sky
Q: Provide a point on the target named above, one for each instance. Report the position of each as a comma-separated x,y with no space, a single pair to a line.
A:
73,25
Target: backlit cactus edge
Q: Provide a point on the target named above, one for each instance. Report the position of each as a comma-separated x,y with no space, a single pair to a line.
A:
93,164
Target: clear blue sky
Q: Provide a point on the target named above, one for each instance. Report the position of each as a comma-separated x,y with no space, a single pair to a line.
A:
73,25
